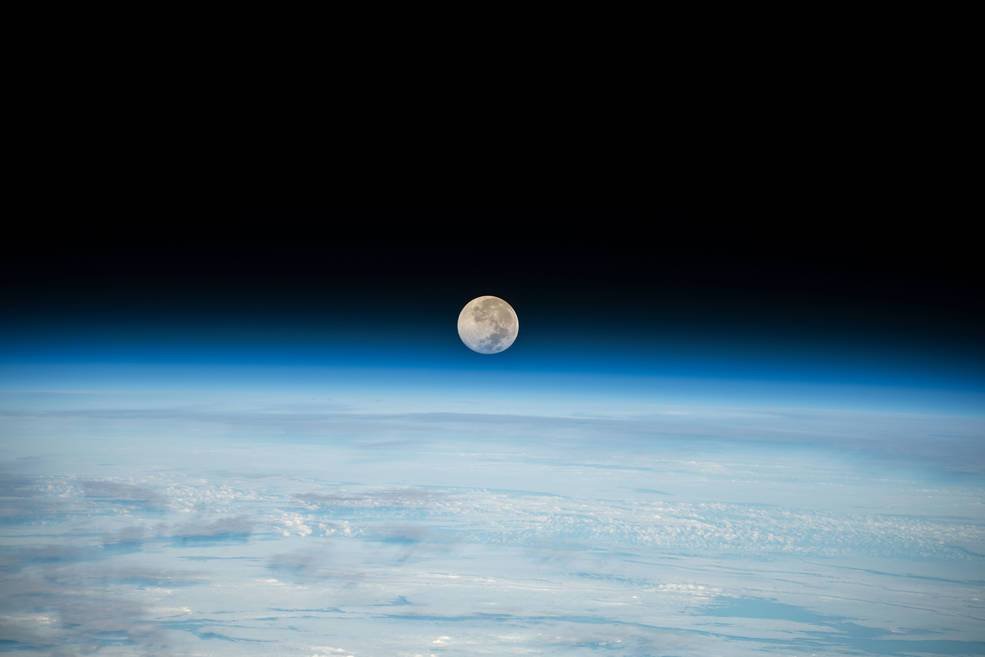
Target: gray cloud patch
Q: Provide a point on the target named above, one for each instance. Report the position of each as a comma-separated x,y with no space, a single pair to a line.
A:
372,499
317,565
41,616
308,564
132,536
30,497
125,494
236,528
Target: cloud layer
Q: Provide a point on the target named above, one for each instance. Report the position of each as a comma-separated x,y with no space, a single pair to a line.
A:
398,535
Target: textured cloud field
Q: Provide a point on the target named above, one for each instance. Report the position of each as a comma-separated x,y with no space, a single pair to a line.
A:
169,529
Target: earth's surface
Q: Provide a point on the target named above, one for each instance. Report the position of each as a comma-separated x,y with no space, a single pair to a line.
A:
134,528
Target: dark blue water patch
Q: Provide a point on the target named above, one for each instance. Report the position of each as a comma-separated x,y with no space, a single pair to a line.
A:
123,547
207,558
399,601
928,578
205,541
197,627
841,632
9,645
908,647
762,608
208,636
398,540
610,577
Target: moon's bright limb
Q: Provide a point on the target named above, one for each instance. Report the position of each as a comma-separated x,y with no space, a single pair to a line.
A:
488,325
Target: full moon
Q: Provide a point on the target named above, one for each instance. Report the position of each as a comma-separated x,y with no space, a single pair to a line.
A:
488,325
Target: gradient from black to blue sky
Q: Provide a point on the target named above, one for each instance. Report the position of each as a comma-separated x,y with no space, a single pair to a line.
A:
652,293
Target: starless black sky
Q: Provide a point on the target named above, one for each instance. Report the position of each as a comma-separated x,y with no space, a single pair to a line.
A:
793,275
